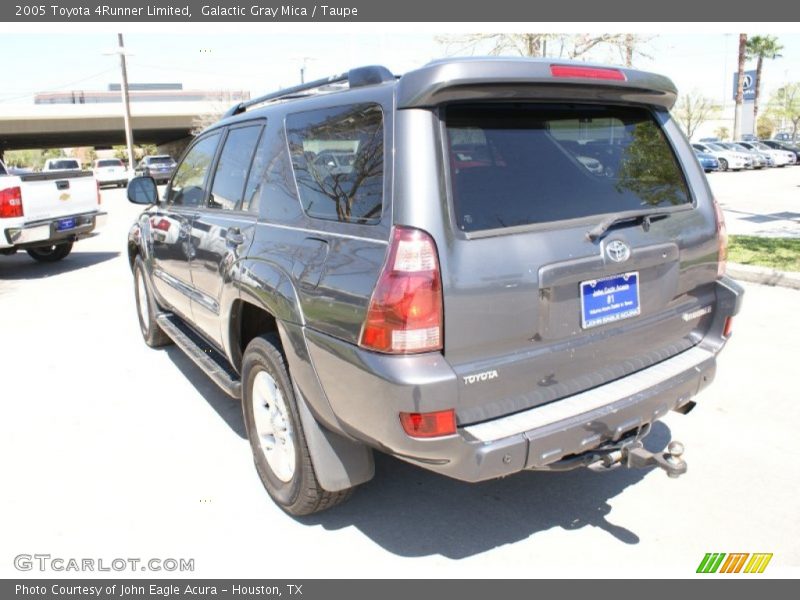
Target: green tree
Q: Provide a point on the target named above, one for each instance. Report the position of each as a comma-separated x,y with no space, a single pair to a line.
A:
761,47
30,159
722,132
765,127
784,106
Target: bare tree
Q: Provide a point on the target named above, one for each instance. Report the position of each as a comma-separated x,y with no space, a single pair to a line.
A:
521,44
694,109
572,46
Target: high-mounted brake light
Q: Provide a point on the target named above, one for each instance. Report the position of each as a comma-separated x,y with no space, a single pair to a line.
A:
405,311
11,203
586,72
722,236
431,424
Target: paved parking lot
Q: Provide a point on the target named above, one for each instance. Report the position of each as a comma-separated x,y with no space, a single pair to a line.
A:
110,449
764,202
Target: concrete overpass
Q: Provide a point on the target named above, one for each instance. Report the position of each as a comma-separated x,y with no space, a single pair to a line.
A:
71,125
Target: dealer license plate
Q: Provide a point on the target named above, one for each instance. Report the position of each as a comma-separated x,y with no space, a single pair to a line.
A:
609,299
64,224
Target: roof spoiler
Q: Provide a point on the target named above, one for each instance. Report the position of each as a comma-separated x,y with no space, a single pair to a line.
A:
530,79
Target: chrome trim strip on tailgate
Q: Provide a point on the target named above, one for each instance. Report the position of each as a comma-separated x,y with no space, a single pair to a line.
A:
589,400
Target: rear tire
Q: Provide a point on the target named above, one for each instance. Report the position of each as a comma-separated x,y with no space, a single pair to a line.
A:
723,164
146,306
276,433
52,253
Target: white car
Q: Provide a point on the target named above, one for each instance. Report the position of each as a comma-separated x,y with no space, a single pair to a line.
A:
734,161
781,157
110,171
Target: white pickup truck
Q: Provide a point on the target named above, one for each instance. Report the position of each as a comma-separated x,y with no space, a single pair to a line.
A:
45,213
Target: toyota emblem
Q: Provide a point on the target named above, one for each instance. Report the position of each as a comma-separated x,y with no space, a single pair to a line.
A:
618,251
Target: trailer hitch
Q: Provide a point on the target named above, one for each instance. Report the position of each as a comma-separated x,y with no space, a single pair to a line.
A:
635,456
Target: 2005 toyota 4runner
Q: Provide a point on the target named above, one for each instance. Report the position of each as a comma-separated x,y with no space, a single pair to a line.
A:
480,267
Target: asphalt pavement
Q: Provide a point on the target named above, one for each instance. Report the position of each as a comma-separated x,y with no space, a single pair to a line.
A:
760,202
111,449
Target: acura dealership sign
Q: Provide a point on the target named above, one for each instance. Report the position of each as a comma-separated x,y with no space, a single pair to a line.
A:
749,87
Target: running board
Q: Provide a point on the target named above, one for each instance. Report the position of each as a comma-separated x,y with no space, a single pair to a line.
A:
203,355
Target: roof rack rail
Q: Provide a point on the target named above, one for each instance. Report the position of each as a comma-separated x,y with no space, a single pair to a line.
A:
359,77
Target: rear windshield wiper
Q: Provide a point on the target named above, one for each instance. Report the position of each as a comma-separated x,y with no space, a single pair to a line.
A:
596,232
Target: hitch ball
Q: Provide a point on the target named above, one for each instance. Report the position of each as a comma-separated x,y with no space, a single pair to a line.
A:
673,457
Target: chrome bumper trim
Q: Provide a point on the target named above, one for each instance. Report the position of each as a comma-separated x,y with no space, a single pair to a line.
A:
589,400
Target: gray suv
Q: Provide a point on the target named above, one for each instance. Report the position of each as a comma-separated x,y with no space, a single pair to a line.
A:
481,267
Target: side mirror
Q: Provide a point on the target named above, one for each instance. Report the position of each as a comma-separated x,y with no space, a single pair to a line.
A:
142,190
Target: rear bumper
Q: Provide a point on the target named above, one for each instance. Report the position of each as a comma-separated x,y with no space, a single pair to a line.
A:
366,392
46,231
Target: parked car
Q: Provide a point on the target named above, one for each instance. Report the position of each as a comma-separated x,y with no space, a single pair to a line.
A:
783,137
709,162
160,167
45,213
749,137
728,160
61,164
781,157
759,159
786,146
478,315
110,171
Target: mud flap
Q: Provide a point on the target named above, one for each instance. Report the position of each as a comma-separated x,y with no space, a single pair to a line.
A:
339,463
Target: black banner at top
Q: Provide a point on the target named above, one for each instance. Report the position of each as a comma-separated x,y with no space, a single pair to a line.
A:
344,11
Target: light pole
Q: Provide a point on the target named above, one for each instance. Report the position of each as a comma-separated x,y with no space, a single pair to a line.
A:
125,98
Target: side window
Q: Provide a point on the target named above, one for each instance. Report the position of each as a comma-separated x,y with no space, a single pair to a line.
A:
337,155
234,164
189,183
252,191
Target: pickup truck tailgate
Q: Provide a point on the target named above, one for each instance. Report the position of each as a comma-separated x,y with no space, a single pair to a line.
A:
49,195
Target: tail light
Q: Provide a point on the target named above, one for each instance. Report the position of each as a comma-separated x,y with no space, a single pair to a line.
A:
427,425
99,197
722,236
405,311
586,72
11,203
161,224
728,329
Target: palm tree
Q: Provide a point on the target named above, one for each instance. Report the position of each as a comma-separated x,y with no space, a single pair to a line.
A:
737,116
761,47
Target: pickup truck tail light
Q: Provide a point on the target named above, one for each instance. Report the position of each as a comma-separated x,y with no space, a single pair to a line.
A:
405,311
11,203
99,197
722,236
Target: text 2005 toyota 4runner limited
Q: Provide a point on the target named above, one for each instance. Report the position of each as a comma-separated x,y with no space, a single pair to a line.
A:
481,267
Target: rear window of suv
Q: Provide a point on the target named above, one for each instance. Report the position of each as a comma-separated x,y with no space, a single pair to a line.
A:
525,164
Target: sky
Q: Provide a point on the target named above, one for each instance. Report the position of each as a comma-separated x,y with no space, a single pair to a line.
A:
260,61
